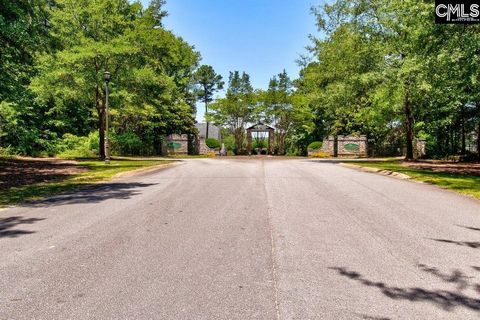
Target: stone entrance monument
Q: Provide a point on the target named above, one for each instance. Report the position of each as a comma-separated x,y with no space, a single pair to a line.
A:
177,144
348,146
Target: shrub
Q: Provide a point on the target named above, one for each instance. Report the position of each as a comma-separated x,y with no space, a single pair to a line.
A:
259,143
126,144
7,151
229,142
315,145
72,146
212,143
320,154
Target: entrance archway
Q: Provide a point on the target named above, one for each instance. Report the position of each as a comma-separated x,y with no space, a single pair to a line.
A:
260,127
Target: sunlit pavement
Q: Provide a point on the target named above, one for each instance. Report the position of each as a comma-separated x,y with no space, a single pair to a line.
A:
244,239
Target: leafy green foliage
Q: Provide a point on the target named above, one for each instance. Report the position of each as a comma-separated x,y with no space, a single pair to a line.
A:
385,69
381,68
71,146
212,143
208,83
279,110
235,111
315,145
23,33
229,142
58,53
127,144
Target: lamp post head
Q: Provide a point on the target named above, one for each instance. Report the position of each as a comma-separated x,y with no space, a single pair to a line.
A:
106,76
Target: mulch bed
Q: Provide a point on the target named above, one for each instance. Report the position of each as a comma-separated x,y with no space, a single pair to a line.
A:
449,167
18,172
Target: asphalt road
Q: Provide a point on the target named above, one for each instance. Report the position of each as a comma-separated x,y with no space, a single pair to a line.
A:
244,239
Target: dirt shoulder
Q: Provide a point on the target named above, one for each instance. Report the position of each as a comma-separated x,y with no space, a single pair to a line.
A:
17,172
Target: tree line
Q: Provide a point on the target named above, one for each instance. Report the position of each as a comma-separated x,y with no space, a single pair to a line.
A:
385,69
382,68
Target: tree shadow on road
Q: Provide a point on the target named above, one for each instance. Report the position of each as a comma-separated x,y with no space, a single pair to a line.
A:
93,194
7,224
445,299
367,317
331,161
469,228
469,244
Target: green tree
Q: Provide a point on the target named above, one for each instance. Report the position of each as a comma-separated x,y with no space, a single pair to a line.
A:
208,82
279,108
236,109
151,69
23,35
95,36
387,43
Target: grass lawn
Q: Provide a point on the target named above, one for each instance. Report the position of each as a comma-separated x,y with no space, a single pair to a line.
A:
461,182
89,171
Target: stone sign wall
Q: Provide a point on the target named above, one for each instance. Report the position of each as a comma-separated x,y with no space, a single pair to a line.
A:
177,144
355,146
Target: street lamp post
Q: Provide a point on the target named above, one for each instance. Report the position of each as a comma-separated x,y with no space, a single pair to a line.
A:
106,77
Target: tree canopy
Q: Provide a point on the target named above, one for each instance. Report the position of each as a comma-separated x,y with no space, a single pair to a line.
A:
382,68
151,69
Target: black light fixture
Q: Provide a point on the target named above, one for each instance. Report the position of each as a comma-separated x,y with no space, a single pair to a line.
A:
106,76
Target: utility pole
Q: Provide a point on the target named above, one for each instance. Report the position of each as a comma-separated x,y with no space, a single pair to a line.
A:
106,77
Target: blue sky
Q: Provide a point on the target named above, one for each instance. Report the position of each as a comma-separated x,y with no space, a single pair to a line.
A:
261,37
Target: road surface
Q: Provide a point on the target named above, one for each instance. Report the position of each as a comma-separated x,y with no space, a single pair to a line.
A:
244,239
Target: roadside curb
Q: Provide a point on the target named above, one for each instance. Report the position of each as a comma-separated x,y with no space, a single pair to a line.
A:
382,172
133,173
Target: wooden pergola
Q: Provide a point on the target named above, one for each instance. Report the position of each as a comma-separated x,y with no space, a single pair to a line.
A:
260,127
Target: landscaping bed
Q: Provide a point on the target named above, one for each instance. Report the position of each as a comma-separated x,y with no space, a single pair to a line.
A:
448,167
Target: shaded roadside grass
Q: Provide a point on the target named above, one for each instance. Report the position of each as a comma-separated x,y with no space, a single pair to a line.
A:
462,183
96,171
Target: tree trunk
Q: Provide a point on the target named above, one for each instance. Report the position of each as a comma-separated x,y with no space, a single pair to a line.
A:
101,132
239,140
452,141
281,143
206,111
478,139
100,106
478,131
407,107
335,145
464,142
